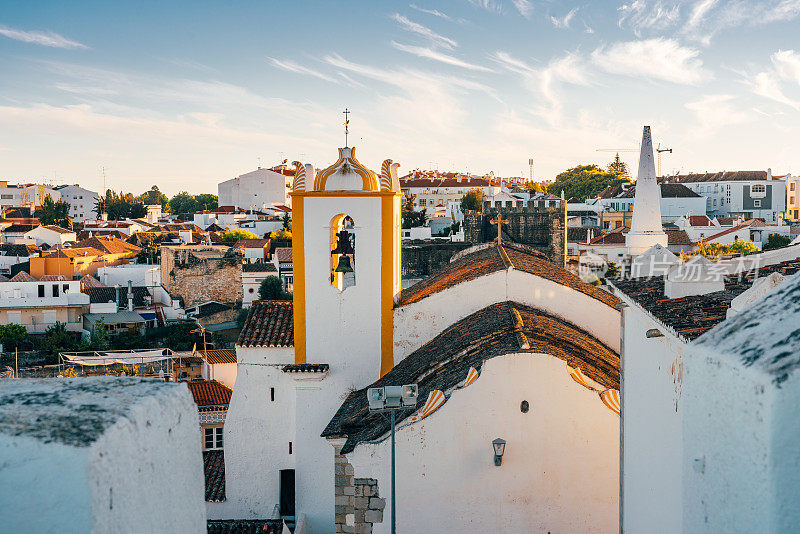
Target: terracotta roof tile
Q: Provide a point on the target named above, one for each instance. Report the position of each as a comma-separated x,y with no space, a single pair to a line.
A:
219,356
209,393
677,237
725,176
270,323
489,259
22,276
244,526
214,468
284,254
443,363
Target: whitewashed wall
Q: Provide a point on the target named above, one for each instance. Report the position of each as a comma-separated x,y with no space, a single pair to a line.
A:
143,473
417,323
257,433
560,471
652,411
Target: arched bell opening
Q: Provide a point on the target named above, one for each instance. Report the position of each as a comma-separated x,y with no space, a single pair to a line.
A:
343,252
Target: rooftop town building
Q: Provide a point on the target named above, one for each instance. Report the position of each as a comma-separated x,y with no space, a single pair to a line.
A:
258,189
747,194
39,303
83,203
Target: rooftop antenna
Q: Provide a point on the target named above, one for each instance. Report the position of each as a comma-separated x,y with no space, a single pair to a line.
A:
346,124
660,150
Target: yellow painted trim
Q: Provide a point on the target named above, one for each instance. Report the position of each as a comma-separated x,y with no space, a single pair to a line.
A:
295,194
389,234
298,265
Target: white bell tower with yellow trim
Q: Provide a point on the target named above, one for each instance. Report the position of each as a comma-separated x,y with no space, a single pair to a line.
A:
346,253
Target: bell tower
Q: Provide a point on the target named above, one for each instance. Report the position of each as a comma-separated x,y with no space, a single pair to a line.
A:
346,254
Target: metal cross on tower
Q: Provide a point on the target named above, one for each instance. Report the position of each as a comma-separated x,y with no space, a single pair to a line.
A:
499,221
346,124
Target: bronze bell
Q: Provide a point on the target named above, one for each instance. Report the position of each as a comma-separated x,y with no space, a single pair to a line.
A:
344,265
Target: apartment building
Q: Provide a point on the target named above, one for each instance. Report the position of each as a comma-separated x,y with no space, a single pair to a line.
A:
37,304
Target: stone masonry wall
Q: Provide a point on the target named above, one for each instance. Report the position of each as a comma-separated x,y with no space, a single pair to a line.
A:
217,279
544,228
357,503
423,259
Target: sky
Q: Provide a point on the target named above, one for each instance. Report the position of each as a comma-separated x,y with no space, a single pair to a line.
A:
184,95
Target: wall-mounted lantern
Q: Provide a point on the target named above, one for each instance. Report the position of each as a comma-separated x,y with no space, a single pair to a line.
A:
499,446
653,332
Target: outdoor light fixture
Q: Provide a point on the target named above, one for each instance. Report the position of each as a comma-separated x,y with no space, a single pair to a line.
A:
654,332
392,399
499,446
620,305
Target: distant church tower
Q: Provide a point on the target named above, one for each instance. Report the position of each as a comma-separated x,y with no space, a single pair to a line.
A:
646,229
346,253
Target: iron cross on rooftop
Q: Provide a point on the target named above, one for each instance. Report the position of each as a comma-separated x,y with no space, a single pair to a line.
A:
499,221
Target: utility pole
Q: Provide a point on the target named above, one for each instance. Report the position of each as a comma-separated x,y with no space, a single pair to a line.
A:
530,164
660,150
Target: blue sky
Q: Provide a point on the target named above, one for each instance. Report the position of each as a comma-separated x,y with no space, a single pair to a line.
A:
185,95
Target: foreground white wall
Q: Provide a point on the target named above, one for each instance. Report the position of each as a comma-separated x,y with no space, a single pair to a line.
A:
652,411
560,471
417,323
100,454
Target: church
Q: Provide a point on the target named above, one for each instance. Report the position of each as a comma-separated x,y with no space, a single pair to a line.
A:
501,344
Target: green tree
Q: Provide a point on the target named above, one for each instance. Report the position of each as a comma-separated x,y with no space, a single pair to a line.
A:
55,213
12,336
271,288
154,196
206,201
57,339
472,201
584,181
183,202
281,238
618,167
413,219
121,206
232,236
535,187
286,221
99,338
776,241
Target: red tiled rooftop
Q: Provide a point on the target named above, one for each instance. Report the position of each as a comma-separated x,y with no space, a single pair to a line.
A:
209,393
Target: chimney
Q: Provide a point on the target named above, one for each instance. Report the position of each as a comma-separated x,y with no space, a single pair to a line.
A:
130,295
116,286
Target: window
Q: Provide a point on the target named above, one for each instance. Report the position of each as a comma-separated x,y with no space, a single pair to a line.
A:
791,186
343,252
272,394
41,291
66,288
290,447
55,290
756,203
251,290
758,188
791,200
212,438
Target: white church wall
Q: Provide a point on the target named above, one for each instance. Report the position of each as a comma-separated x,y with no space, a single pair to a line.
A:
560,471
417,323
257,433
100,454
652,412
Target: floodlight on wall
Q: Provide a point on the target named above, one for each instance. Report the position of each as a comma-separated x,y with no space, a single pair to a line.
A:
499,446
653,332
376,396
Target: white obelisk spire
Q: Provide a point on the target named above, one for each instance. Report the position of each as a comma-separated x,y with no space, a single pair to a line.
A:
646,229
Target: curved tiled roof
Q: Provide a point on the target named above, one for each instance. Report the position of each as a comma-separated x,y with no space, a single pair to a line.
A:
489,259
209,393
270,323
214,468
443,363
217,356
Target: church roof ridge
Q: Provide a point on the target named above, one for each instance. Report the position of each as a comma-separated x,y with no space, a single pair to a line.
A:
489,258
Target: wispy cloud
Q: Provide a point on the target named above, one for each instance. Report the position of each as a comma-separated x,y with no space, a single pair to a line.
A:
488,5
714,112
429,53
525,7
414,27
660,59
701,20
291,66
41,38
565,20
545,82
434,12
770,83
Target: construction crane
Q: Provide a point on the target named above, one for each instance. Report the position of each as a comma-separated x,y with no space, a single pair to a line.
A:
660,150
